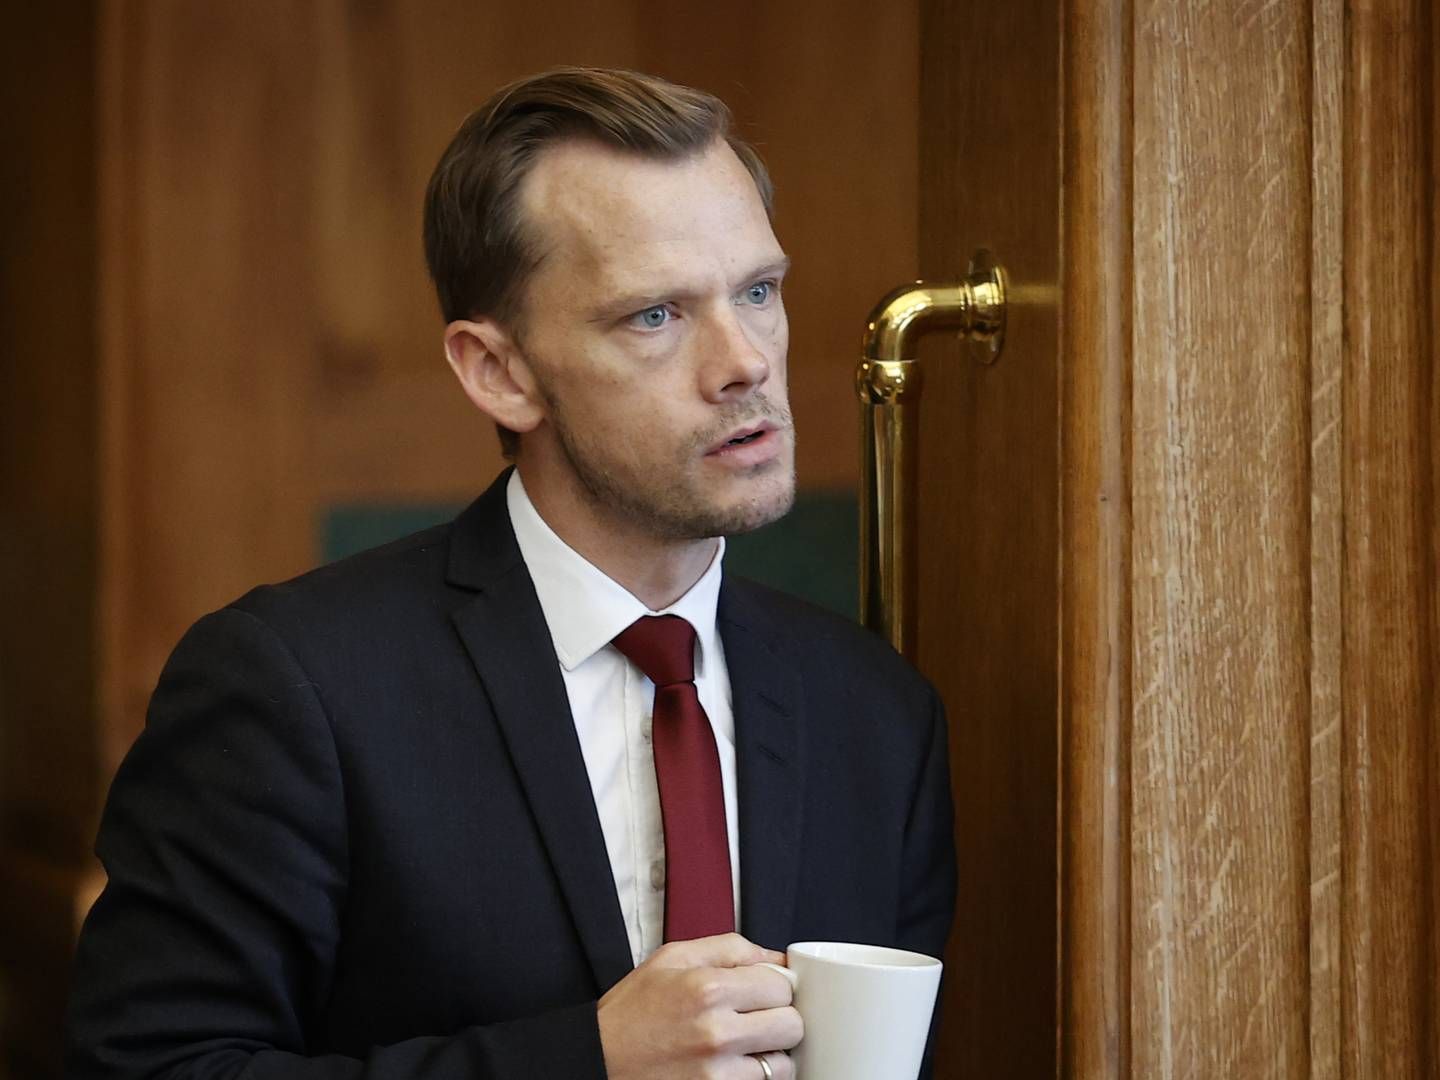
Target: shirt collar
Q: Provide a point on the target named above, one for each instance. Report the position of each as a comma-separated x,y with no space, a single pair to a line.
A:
583,607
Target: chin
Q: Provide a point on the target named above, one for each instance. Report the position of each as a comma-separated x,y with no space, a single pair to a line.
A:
690,507
757,511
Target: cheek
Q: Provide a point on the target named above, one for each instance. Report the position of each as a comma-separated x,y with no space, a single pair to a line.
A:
779,354
780,339
769,333
632,423
590,398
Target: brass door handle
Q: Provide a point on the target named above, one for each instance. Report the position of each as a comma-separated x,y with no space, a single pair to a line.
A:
888,381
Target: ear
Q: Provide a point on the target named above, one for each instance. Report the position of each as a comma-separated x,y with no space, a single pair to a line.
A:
493,373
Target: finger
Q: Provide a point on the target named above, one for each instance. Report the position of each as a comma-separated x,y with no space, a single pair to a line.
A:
720,951
766,1030
748,1067
757,987
731,990
782,1065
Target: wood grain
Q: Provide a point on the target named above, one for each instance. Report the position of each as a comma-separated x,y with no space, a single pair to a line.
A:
989,507
1285,811
1095,660
1327,447
1221,541
203,432
1391,654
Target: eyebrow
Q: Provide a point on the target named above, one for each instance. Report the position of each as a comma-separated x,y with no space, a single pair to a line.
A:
633,302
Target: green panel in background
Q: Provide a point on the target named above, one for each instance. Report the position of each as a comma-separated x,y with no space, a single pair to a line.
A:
811,552
354,527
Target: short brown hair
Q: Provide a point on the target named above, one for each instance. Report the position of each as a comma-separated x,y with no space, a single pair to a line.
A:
476,245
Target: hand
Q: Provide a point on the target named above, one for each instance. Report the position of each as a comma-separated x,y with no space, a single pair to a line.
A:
700,1009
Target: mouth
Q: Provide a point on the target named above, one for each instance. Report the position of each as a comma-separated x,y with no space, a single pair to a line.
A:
743,436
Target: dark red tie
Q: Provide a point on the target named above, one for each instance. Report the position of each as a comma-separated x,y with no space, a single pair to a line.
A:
698,900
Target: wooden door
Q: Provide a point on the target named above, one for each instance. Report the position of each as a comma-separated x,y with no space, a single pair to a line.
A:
988,501
1178,549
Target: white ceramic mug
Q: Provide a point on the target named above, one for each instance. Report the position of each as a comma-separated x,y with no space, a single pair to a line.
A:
866,1009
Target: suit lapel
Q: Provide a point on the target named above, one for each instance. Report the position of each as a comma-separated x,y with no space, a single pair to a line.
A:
504,631
769,748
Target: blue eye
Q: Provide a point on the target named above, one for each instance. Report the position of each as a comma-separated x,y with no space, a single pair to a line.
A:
759,293
653,318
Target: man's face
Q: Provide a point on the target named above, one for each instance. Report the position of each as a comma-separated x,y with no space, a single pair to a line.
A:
656,331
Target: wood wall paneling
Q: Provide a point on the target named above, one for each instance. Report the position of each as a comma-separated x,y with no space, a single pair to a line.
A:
209,227
47,442
50,765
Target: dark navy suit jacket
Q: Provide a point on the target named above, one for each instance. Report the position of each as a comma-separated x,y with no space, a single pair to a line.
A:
357,837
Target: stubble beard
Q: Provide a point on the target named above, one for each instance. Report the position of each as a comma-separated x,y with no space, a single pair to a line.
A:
661,507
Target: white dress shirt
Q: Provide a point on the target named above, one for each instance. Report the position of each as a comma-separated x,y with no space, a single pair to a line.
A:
611,702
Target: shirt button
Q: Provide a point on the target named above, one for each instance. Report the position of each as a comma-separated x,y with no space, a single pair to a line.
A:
657,875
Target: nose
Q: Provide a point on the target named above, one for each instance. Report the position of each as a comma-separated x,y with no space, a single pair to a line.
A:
734,365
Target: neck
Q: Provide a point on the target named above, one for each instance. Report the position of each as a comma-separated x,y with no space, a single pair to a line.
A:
655,571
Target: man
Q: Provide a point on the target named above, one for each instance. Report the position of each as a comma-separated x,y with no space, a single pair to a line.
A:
443,810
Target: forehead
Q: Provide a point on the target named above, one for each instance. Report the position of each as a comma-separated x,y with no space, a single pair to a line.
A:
604,219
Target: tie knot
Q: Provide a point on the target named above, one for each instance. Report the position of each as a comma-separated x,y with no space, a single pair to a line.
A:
662,646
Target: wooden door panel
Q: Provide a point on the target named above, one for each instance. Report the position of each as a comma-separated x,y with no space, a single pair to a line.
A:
1179,567
988,500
